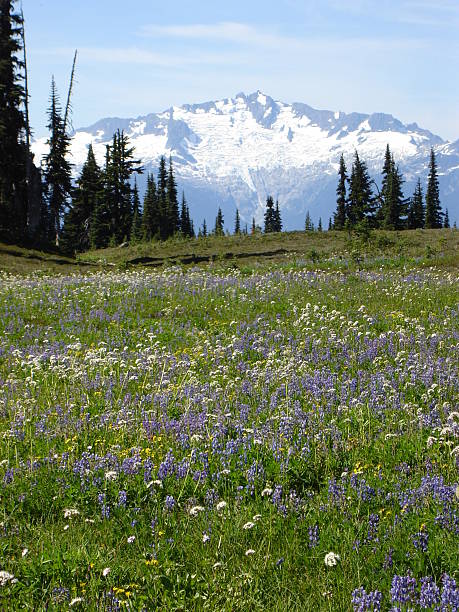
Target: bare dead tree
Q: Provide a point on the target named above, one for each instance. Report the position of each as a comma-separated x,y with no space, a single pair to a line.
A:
68,106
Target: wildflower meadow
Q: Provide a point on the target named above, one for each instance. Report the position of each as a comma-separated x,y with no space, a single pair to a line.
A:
210,439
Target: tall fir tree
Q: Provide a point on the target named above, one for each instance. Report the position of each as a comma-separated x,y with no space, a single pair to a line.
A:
270,216
237,223
85,196
330,225
186,224
253,229
218,229
383,194
308,224
446,223
120,165
340,214
416,212
319,226
360,204
173,214
394,204
204,228
151,216
277,218
57,174
14,154
164,224
433,208
136,228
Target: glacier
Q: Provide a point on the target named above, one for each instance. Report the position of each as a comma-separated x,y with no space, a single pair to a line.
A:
234,152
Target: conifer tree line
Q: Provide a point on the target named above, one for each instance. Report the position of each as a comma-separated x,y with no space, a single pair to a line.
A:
357,203
105,208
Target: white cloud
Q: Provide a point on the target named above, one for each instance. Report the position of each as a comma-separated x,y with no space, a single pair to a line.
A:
228,31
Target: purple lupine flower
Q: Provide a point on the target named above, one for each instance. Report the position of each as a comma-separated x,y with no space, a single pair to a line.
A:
363,601
388,561
430,593
313,534
420,541
403,589
450,594
169,503
122,498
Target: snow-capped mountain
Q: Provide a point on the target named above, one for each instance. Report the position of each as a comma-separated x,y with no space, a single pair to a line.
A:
234,152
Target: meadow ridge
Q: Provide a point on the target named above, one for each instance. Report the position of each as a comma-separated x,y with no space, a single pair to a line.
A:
283,435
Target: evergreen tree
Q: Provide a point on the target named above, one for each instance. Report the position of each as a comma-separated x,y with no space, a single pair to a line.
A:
13,149
204,228
164,221
99,226
277,218
433,208
319,227
136,229
150,216
120,165
76,229
383,195
360,204
237,223
340,214
308,224
218,230
186,223
270,216
394,204
416,213
254,227
446,224
57,175
173,215
330,226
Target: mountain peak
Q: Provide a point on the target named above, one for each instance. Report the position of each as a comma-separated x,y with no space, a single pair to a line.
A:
233,152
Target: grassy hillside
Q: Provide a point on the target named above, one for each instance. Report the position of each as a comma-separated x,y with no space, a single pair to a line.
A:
324,250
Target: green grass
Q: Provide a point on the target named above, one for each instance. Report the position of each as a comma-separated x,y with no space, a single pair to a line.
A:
327,250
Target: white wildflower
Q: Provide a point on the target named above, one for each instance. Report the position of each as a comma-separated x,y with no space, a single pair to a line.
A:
331,559
248,525
205,537
6,577
431,441
75,600
24,552
196,510
69,512
112,475
66,527
221,505
217,564
131,539
106,571
249,552
157,483
257,517
266,492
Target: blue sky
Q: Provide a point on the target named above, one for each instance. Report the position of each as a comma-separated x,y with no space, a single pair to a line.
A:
399,57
